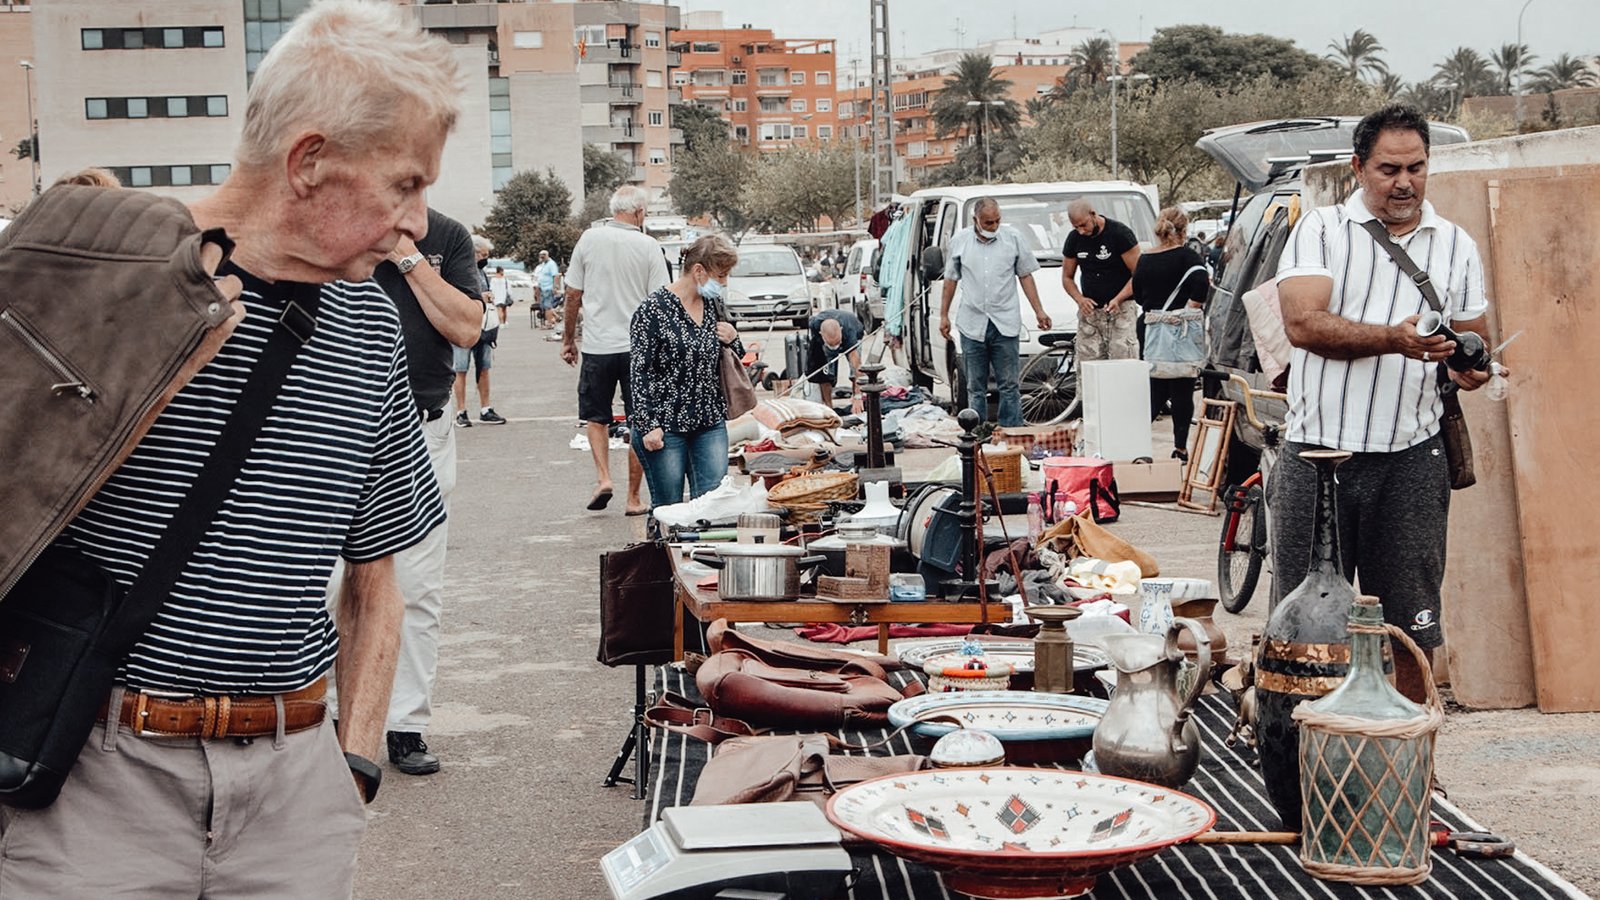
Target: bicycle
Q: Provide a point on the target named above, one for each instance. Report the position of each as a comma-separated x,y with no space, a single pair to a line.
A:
1243,546
1048,383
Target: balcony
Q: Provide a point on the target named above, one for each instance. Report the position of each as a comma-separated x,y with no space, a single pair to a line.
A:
674,59
631,133
624,93
675,135
674,96
638,174
615,54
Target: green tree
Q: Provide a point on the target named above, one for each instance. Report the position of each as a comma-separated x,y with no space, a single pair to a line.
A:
527,200
1390,85
1509,61
974,80
1358,53
793,189
701,127
1565,71
603,173
1207,54
1093,60
557,237
709,181
24,147
1464,73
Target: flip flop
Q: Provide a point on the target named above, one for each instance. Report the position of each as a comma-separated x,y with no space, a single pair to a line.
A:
599,500
636,512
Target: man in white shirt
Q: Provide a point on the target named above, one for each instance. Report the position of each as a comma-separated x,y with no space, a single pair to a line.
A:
989,260
1360,379
614,267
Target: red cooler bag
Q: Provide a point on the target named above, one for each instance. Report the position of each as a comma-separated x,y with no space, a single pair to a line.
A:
1087,481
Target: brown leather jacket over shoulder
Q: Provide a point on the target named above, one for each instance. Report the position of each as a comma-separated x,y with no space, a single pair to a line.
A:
106,311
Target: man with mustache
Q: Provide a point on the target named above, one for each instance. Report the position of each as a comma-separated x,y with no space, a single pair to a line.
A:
1360,379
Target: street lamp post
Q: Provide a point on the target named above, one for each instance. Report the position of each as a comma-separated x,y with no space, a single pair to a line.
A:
1519,64
987,177
855,138
33,128
1115,169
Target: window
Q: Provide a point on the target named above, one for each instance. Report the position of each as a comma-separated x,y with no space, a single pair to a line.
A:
652,38
916,149
138,108
847,110
679,78
133,39
94,108
176,176
165,38
824,78
658,156
211,37
654,117
740,76
219,173
182,175
824,104
741,105
264,22
710,78
527,40
172,37
797,78
705,47
797,105
801,132
769,77
590,35
771,104
177,107
741,133
652,78
217,106
824,132
499,132
93,39
776,131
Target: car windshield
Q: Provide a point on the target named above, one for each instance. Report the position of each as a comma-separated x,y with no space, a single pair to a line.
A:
507,264
759,263
1042,218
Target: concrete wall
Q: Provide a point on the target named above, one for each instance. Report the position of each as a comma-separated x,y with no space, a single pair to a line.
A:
546,131
16,45
464,191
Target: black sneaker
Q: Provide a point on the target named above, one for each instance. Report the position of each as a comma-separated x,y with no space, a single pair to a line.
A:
490,417
409,753
462,421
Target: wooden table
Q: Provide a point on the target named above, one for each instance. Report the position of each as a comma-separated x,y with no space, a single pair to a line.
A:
706,606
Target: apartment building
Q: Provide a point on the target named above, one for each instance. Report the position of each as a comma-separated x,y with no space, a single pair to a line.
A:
156,92
773,92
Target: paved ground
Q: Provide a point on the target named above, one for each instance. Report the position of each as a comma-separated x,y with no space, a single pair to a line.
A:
526,722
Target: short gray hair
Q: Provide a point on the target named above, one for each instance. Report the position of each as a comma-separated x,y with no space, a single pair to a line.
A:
479,242
629,198
985,203
354,70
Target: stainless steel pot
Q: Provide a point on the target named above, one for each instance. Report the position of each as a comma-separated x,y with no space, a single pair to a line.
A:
757,571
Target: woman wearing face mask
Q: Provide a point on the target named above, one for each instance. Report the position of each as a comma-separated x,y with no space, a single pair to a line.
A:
678,411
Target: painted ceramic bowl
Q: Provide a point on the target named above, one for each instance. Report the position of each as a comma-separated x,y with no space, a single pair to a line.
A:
1011,833
1036,728
1018,653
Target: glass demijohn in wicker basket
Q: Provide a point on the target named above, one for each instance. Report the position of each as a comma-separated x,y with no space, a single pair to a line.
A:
1366,766
1305,650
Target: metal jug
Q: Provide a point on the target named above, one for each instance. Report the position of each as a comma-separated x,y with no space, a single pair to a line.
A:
1146,733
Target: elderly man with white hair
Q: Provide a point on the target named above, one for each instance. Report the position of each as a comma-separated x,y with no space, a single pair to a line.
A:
214,771
614,267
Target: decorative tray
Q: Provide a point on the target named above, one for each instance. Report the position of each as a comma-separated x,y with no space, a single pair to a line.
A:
1018,653
1008,715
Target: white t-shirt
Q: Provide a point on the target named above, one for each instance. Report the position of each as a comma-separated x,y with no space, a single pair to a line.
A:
616,266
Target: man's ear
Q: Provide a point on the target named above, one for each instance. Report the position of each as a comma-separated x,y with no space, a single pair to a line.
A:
307,163
1355,165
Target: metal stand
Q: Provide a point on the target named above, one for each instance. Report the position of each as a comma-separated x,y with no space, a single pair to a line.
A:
874,389
969,584
637,745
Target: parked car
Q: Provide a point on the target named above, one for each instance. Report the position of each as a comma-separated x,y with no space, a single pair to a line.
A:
768,283
517,278
1039,212
858,290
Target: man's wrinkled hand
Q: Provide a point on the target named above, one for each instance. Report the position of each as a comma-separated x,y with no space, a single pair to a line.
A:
569,352
1474,379
1044,321
1409,344
944,326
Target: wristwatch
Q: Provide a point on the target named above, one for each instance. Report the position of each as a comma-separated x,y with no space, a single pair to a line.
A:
407,263
365,770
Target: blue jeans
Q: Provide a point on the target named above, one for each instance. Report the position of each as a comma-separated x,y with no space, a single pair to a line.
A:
701,455
996,353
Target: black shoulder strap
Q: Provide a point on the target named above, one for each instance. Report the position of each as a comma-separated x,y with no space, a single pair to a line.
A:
189,523
1405,262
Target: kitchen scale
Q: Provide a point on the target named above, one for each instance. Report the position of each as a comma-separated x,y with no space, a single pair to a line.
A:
756,851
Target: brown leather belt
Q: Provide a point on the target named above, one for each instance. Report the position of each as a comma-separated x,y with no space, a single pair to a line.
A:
223,716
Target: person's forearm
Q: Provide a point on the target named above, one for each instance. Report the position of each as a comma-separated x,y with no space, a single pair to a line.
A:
370,611
1031,291
946,297
457,316
1125,293
1070,284
1335,337
569,315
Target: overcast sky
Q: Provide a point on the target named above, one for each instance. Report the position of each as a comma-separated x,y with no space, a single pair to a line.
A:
1416,34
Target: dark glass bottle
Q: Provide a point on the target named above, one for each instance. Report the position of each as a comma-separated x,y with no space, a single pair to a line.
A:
1305,648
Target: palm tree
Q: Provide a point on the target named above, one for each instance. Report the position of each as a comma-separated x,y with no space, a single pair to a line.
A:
1565,71
1390,85
1511,60
1464,73
1093,60
974,79
1358,54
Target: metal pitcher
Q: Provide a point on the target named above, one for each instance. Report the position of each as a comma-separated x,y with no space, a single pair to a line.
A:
1146,733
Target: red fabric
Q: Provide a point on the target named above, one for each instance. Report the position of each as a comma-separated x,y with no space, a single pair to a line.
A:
833,633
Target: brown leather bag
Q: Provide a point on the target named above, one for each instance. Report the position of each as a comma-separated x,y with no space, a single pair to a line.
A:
776,768
790,654
737,684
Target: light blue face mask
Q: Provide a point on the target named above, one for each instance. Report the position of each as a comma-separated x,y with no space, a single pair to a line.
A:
711,290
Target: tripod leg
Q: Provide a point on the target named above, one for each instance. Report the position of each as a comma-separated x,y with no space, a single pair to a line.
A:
636,745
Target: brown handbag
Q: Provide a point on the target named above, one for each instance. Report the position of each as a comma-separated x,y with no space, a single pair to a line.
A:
737,390
736,683
793,655
777,768
636,594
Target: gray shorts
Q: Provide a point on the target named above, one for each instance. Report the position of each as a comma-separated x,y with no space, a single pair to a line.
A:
1393,512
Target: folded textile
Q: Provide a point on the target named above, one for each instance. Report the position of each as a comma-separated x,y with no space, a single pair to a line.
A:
790,413
833,633
1115,578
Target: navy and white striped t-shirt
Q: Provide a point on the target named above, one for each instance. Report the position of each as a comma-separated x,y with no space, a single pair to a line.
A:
1375,404
339,467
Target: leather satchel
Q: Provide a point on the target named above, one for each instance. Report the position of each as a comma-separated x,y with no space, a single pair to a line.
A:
778,768
737,684
791,654
636,608
737,390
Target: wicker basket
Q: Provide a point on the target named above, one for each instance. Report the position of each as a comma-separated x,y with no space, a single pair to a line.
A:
1006,464
813,490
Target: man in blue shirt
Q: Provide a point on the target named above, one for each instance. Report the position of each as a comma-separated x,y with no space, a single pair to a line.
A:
545,275
835,333
988,260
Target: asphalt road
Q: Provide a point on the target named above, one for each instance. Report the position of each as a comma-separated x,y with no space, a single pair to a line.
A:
526,722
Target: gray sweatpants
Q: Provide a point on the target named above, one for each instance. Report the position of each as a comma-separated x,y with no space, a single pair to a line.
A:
186,819
1393,512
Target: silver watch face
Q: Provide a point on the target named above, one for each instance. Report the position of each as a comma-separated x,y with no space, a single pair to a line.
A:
410,262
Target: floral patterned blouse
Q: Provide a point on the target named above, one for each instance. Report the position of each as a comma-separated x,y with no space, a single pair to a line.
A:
673,367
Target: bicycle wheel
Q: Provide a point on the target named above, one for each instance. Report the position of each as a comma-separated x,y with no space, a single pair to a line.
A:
1242,548
1049,388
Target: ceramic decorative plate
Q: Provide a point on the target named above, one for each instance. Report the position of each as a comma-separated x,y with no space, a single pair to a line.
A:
1008,715
1018,653
1015,832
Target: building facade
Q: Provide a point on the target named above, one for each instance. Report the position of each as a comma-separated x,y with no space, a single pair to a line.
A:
18,96
773,92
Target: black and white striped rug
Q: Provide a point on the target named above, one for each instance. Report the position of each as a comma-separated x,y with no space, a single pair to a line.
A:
1227,780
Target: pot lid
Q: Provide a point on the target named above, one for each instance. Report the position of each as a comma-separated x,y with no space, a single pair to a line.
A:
757,550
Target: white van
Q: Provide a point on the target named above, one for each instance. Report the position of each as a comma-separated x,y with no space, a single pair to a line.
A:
858,292
1039,213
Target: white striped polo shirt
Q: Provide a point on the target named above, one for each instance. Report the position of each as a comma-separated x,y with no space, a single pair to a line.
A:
1375,404
339,467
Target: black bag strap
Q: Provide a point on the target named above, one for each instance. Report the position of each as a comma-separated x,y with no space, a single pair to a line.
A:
1405,262
167,559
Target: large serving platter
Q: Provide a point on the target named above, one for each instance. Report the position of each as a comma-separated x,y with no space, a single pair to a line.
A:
1018,653
1003,832
1008,715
